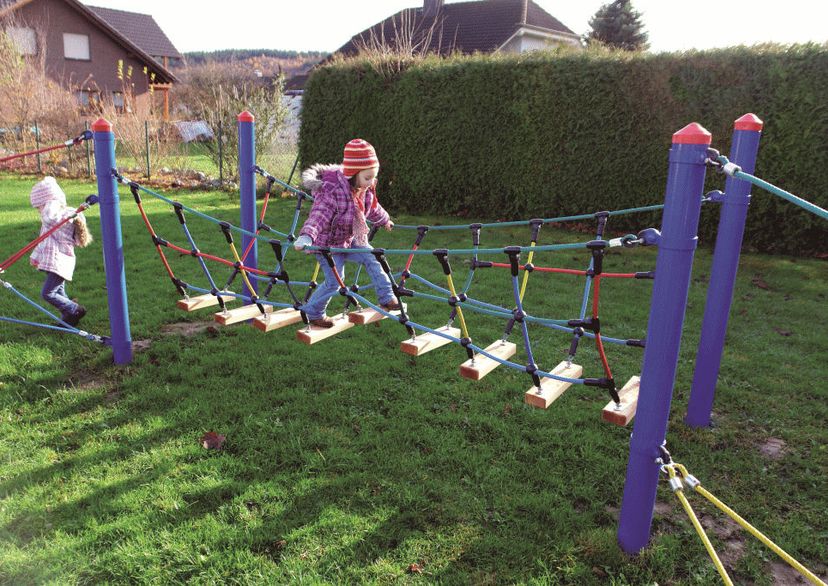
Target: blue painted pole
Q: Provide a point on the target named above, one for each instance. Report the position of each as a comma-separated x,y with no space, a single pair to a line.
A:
113,244
747,131
247,189
677,245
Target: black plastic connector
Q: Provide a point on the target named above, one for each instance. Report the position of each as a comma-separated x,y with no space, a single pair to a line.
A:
158,241
133,188
276,245
442,256
373,232
343,291
637,343
514,258
262,226
528,267
179,211
592,324
481,264
475,230
225,229
421,232
645,275
518,315
602,218
536,224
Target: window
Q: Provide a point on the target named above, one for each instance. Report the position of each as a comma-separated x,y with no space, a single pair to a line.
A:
118,101
90,100
76,46
24,39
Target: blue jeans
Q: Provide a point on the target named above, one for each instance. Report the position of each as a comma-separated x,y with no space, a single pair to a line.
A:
316,305
54,292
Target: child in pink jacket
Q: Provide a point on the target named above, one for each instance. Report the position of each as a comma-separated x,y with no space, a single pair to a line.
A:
55,256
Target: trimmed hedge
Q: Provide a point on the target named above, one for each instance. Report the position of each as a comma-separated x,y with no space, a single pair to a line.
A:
548,134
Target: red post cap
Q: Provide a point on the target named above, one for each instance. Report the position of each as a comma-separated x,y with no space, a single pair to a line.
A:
101,125
245,117
748,122
693,133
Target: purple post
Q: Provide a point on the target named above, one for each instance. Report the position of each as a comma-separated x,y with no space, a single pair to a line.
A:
247,189
746,133
677,244
113,245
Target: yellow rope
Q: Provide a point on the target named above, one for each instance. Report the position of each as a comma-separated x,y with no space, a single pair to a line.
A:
253,295
526,273
315,272
699,529
459,309
752,530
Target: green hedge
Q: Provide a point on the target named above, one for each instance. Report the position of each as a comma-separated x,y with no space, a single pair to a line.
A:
546,134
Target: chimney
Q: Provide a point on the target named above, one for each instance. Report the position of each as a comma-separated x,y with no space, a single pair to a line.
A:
431,7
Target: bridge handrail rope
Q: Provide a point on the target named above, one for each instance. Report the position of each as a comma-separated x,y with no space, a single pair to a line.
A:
679,474
733,170
85,135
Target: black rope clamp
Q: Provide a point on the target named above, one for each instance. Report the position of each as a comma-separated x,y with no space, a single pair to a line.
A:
379,254
592,324
481,264
514,258
597,247
373,232
532,369
605,383
442,256
269,185
85,135
300,197
134,187
421,232
180,285
91,200
262,226
475,229
225,228
343,291
645,275
179,211
354,288
602,218
577,333
326,253
452,301
403,292
637,343
276,245
518,315
158,241
536,224
528,267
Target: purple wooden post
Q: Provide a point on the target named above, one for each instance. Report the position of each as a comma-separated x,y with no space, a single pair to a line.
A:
676,247
746,133
247,190
113,244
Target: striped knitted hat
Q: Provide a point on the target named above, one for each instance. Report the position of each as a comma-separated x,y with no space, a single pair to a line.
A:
46,191
359,155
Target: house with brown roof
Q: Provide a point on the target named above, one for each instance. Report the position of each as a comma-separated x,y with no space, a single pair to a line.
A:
99,53
481,26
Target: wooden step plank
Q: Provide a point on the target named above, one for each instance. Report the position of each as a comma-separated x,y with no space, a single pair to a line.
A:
277,319
483,365
366,315
551,389
234,316
202,301
313,334
625,411
427,342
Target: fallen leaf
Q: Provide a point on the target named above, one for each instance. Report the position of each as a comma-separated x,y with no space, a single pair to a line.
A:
760,282
212,440
281,544
782,332
415,569
507,409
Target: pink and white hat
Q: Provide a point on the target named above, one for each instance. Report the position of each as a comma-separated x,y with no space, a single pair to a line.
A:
46,191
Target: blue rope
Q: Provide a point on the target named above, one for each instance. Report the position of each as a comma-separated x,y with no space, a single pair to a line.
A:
544,248
200,259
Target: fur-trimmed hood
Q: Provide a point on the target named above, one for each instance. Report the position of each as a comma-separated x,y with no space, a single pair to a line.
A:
314,177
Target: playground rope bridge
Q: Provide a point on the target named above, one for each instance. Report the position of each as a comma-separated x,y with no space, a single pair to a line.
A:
648,396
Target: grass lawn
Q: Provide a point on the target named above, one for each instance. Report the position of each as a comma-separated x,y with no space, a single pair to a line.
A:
349,461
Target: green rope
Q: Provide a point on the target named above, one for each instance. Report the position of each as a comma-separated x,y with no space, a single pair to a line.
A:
806,205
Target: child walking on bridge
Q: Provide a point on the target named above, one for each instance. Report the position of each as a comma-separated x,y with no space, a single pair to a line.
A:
345,199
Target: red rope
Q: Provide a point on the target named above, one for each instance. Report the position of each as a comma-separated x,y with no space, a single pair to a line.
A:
566,271
223,261
154,236
29,153
261,219
596,293
20,253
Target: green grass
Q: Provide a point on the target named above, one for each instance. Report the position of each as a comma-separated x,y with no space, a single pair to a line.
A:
347,461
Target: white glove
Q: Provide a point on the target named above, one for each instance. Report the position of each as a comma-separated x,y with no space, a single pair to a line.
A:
303,241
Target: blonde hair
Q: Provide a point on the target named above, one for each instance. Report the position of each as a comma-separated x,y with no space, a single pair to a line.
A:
83,237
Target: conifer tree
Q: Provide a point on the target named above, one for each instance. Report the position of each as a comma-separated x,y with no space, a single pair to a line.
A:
618,25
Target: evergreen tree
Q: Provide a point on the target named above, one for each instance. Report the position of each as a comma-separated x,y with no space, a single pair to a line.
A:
618,25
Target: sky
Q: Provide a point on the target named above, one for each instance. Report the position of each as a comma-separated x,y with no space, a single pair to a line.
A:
326,25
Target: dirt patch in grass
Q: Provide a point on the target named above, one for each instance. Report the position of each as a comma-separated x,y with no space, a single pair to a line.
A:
773,448
86,380
141,345
187,328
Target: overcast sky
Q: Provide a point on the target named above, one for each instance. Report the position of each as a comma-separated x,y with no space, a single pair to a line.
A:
325,25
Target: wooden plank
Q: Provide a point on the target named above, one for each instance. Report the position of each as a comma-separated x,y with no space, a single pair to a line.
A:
234,316
551,389
313,334
427,342
277,319
202,301
366,315
483,365
625,411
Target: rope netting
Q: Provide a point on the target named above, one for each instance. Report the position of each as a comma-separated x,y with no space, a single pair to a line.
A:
586,325
85,135
59,324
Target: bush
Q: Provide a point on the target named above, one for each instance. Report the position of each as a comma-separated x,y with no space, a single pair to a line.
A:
558,133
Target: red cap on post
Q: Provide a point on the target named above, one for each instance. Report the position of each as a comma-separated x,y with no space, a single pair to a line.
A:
749,122
693,133
101,125
245,117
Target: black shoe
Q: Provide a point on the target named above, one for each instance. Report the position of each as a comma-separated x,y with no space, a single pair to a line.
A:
391,306
75,318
